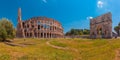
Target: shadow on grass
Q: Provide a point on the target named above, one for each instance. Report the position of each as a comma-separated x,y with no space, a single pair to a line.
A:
11,43
6,41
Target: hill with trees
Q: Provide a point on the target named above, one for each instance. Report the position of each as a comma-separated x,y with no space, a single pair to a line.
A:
117,29
77,32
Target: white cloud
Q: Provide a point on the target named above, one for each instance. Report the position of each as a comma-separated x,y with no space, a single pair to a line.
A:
88,18
45,1
100,4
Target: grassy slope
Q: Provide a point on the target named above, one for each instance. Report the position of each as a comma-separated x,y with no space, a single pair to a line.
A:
87,49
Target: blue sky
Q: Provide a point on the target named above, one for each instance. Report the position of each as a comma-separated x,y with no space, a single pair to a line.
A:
70,13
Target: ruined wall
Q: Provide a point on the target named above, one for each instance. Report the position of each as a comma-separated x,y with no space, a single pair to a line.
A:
101,27
42,27
39,27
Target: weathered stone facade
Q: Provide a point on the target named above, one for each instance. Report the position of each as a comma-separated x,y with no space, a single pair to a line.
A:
101,27
38,27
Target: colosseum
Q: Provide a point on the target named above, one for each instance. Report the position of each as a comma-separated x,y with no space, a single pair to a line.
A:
38,27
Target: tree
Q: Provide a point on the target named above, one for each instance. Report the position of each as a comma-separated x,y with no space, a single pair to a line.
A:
7,30
3,33
77,32
116,28
119,24
86,32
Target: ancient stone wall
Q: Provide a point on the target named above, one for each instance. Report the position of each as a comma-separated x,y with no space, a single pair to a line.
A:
39,27
101,27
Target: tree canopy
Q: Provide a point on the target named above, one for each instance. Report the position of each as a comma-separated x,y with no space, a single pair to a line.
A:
78,32
6,29
117,29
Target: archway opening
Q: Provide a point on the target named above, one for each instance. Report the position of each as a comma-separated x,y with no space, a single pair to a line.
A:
99,32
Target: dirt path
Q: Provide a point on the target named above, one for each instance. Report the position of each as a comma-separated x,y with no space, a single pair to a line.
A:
117,56
57,47
61,48
66,48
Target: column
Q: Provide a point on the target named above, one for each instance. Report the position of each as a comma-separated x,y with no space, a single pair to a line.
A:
43,34
46,34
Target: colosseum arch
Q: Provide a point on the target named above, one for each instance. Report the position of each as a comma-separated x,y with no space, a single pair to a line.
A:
101,27
38,27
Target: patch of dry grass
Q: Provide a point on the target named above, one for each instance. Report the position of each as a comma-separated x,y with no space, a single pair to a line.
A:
37,49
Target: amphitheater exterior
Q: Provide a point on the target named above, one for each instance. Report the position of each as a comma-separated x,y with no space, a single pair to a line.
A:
38,27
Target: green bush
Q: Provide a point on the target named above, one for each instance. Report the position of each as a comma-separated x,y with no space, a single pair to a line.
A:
3,33
6,29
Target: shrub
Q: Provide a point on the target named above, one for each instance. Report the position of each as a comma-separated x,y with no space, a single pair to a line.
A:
7,30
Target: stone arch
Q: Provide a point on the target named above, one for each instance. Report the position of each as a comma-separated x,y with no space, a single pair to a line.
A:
41,35
101,26
30,34
99,32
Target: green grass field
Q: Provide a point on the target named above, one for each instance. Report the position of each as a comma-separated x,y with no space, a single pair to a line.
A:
37,49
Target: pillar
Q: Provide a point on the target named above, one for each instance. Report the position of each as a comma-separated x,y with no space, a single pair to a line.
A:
43,35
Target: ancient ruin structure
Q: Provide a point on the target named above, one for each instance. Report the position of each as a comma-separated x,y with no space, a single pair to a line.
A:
101,27
38,27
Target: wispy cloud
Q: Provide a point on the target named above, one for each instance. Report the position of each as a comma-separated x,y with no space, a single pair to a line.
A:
45,1
88,18
100,4
103,6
